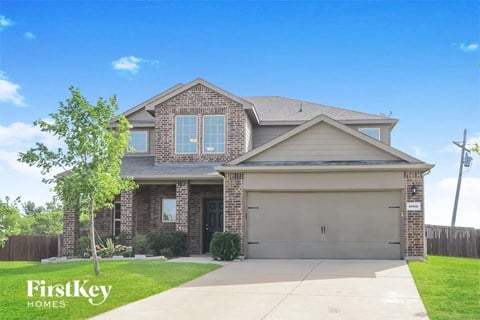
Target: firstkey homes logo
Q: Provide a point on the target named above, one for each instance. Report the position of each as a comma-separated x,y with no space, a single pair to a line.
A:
56,295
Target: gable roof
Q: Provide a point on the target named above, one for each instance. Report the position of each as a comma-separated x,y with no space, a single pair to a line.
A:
323,118
280,109
151,100
150,106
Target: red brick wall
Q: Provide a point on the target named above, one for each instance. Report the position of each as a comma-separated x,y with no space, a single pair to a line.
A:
413,221
182,196
234,206
104,222
199,101
71,232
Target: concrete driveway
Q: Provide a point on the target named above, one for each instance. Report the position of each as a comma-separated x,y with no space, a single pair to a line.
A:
288,289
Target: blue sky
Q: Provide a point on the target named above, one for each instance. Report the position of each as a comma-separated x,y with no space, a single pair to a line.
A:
419,60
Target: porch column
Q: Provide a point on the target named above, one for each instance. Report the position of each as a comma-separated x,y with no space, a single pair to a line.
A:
183,197
234,207
71,232
413,219
126,216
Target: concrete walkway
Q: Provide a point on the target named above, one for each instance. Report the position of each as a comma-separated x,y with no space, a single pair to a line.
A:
287,289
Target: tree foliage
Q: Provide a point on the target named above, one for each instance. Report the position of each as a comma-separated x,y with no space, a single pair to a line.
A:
92,154
9,219
476,148
41,220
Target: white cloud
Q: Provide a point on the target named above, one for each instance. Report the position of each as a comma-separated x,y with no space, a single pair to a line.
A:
130,64
29,36
19,179
9,91
467,47
5,22
419,151
440,196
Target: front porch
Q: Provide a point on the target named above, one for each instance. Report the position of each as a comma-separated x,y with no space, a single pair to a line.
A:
200,210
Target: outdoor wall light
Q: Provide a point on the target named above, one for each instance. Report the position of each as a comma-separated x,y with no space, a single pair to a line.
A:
414,189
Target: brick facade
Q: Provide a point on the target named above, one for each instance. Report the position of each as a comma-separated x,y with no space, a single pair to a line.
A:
413,221
199,101
234,207
104,222
127,221
71,232
182,195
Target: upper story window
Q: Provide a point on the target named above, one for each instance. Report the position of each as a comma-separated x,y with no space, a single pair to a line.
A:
139,141
371,132
185,134
214,134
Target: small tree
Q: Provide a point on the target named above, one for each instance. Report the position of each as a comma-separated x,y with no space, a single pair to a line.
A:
9,219
92,154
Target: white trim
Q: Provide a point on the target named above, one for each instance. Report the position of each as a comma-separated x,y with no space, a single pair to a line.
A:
356,168
114,219
175,133
146,141
161,210
203,133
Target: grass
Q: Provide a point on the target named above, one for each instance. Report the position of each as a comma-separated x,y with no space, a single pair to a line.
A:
130,281
449,287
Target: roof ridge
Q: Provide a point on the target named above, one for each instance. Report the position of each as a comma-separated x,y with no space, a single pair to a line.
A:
323,105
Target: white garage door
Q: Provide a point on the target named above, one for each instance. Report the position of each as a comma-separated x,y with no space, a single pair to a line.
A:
336,225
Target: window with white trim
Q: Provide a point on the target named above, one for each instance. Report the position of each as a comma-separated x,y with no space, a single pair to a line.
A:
371,132
169,210
117,214
214,134
139,141
186,134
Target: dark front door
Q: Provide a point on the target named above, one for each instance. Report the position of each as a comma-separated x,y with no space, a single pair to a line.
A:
212,220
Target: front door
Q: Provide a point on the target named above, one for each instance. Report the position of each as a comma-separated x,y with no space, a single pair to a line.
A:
212,220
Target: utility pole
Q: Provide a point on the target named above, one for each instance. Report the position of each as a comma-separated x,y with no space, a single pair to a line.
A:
460,172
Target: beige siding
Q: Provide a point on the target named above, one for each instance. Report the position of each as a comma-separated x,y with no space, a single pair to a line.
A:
248,135
140,115
323,142
264,134
151,141
327,181
385,130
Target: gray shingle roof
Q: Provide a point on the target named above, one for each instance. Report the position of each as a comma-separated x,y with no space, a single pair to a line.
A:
273,108
144,167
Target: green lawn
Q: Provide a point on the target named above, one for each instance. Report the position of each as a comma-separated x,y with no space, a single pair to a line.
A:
130,280
449,287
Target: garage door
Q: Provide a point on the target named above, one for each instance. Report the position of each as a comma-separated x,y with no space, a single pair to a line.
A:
336,225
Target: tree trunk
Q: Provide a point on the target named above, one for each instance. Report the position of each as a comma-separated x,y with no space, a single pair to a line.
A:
96,265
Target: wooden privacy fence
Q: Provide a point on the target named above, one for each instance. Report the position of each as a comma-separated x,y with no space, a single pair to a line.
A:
29,248
452,241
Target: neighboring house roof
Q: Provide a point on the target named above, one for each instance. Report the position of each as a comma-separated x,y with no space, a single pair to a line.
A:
403,158
280,109
144,168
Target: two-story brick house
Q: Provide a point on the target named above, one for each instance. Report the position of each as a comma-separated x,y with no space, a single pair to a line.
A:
294,179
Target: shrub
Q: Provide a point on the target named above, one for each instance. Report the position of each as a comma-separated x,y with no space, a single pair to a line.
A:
225,246
121,238
166,252
141,244
176,241
108,250
82,247
125,251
